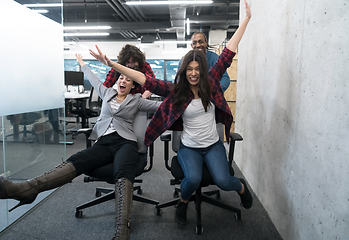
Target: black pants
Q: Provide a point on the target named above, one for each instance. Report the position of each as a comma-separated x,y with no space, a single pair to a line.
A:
111,148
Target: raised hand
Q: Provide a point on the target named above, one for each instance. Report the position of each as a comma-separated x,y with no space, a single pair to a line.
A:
79,59
236,38
101,57
248,10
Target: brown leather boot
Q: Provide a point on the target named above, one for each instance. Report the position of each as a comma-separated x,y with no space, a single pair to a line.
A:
26,191
123,205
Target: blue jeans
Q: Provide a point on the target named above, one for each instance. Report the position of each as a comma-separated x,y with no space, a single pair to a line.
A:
215,158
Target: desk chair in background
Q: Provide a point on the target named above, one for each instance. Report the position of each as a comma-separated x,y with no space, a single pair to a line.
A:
105,173
89,110
22,119
207,180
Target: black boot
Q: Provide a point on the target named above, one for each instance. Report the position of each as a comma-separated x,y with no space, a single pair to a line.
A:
26,191
246,197
181,212
123,205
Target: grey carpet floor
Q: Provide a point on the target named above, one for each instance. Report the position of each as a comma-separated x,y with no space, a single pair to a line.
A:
54,218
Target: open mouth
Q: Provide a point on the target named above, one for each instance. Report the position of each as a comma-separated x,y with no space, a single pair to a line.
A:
194,79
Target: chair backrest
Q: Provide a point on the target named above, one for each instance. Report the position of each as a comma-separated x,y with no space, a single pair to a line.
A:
139,127
94,102
176,136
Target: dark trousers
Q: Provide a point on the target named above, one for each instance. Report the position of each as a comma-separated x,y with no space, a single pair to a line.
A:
111,148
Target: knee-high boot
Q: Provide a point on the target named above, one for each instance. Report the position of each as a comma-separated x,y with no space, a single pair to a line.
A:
123,205
26,191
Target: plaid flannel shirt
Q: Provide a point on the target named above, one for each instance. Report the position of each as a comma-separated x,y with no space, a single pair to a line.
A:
167,117
113,75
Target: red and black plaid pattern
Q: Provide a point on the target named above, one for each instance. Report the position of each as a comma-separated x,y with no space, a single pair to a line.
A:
166,117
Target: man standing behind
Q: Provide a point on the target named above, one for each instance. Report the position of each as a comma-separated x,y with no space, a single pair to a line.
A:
130,56
199,41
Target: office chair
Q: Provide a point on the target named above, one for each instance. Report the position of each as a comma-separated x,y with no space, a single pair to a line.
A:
22,119
89,110
105,173
199,196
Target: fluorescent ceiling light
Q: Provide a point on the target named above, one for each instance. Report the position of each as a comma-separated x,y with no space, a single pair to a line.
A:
87,28
69,43
171,2
85,34
173,41
40,11
44,5
188,26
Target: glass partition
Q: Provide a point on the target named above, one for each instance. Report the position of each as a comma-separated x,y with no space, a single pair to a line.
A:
32,134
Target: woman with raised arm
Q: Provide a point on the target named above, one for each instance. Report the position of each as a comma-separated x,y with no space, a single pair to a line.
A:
194,103
115,143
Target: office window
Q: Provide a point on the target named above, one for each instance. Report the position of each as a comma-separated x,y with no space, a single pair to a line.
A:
171,69
97,68
158,68
71,65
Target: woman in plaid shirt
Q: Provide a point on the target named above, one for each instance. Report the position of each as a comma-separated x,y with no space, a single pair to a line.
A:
194,103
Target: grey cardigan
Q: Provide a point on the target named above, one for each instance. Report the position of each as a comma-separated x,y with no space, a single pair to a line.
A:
123,118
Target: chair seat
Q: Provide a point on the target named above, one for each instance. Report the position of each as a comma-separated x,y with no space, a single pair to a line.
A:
207,180
105,172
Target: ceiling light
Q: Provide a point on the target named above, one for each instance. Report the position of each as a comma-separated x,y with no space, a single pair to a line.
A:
173,41
40,11
44,5
84,34
188,26
170,2
87,28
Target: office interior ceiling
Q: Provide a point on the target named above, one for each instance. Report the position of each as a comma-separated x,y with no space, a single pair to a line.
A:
160,22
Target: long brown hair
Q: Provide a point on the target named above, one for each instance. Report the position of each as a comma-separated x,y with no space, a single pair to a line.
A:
182,86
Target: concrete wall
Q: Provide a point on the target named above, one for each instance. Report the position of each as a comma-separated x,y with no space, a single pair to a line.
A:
293,112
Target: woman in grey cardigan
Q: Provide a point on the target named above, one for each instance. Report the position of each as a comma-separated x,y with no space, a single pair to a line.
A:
115,142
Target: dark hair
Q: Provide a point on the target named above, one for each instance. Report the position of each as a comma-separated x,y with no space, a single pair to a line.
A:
137,85
125,54
129,51
182,86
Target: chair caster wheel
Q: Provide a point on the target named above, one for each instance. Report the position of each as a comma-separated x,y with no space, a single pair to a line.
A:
139,191
175,194
98,194
157,211
199,230
238,216
78,214
218,196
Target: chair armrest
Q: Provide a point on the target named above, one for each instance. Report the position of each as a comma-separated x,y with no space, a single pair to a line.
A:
87,132
165,137
151,158
235,137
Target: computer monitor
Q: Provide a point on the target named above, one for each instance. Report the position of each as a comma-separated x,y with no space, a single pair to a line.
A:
73,78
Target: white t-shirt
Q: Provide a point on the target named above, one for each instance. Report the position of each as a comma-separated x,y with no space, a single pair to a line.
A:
199,127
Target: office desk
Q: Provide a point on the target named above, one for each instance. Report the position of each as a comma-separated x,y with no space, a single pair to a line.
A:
80,98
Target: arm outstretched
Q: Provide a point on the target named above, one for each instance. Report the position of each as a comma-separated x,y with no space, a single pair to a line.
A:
235,39
133,74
